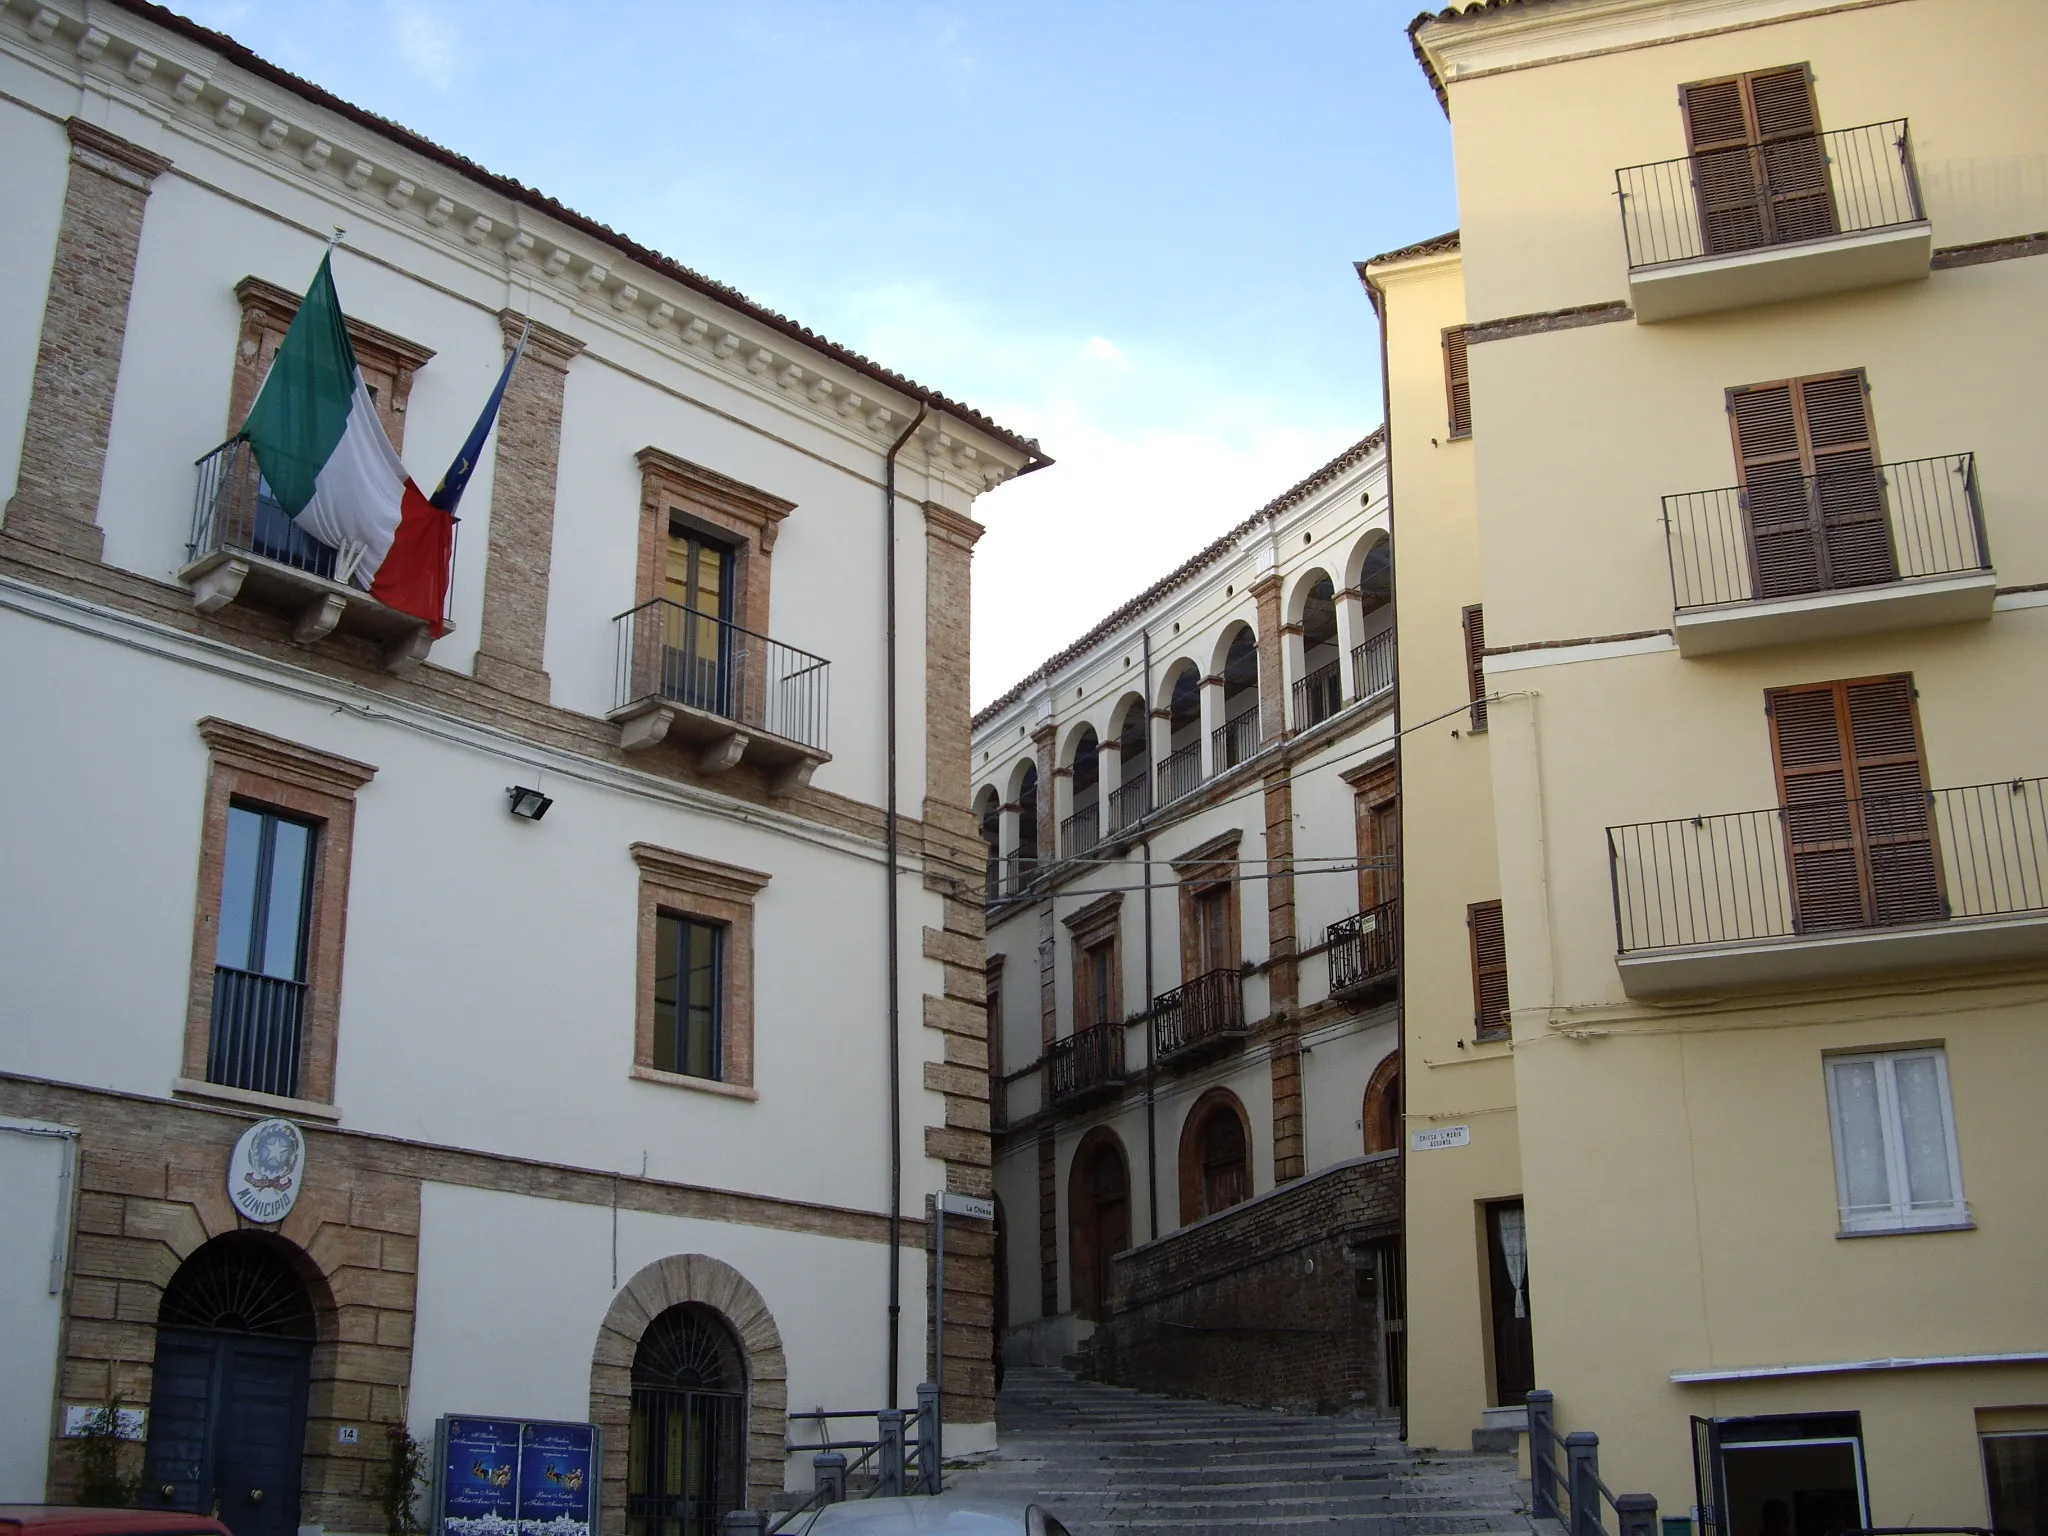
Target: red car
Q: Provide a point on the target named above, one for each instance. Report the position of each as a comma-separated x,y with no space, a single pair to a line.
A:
69,1520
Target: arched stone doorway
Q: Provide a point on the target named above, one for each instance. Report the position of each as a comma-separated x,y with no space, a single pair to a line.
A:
1099,1219
721,1295
1382,1117
1215,1156
686,1456
227,1410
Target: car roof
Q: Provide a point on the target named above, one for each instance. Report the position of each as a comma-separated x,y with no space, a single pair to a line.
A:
941,1516
69,1520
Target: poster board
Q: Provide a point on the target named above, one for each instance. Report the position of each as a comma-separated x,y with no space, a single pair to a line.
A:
514,1477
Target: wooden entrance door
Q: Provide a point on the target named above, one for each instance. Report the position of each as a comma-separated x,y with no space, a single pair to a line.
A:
1099,1192
227,1427
1507,1253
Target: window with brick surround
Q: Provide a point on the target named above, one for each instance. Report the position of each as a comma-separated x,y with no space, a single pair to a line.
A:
388,362
694,1008
264,998
1215,1155
1098,962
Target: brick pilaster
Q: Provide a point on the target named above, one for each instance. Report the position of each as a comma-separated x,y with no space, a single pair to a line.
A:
1272,659
512,642
85,324
1283,979
1048,1228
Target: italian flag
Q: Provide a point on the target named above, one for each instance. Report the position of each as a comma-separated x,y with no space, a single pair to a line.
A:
328,463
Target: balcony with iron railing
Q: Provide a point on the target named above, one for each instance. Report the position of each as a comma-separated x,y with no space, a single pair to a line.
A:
1372,665
1759,224
1086,1067
1199,1018
1235,740
258,1030
243,548
728,694
1180,773
1318,695
1832,889
1364,949
1854,549
1131,802
1080,832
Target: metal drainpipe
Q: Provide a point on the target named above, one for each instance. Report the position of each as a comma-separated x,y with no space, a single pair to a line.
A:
1151,1128
890,919
1377,296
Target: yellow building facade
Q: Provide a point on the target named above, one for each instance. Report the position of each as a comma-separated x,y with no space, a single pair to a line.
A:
1753,307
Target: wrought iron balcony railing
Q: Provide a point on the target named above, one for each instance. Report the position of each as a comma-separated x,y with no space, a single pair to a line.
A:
235,511
667,651
258,1027
1363,947
1207,1010
1372,665
1080,832
1235,740
1180,773
1831,866
1130,802
1318,695
1086,1063
1753,197
1788,534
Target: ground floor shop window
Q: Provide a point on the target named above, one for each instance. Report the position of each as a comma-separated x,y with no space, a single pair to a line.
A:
2016,1482
1799,1475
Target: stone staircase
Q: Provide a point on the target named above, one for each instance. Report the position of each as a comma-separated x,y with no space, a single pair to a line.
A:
1106,1459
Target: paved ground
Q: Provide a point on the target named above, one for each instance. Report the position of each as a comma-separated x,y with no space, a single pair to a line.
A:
1106,1459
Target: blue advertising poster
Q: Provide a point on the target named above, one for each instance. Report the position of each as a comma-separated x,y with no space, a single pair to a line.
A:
479,1477
557,1479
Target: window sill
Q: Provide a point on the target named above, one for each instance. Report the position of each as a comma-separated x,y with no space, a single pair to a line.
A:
248,1098
1965,1225
646,1074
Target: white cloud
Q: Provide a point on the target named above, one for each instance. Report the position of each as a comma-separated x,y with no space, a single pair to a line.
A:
428,45
1101,349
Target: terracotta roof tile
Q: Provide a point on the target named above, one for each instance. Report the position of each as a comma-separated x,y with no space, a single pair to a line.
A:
1454,13
1434,245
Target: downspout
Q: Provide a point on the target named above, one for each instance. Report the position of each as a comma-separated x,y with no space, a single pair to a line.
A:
1151,1128
1376,296
890,840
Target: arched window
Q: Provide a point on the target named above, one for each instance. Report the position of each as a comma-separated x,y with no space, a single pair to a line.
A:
1099,1204
686,1451
990,814
1382,1117
1181,770
1083,829
1215,1156
1027,820
1132,796
1237,738
1319,691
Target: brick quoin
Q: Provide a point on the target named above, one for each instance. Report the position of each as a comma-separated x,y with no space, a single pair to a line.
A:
1268,1302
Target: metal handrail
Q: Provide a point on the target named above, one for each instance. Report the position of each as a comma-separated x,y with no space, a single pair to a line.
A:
1180,773
1196,1011
1235,740
1821,186
1130,802
1977,850
1363,947
1372,665
1090,1058
1080,832
1318,695
667,650
1911,519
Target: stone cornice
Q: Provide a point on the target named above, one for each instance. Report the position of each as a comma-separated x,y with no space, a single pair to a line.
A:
113,156
124,53
258,752
259,294
944,523
693,483
1199,861
1099,913
699,876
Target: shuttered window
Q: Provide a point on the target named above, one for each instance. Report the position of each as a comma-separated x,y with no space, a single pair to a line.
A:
1812,495
1489,970
1759,168
1851,779
1457,382
1475,664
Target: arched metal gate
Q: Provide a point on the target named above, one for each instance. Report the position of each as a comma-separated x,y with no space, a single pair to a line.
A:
686,1459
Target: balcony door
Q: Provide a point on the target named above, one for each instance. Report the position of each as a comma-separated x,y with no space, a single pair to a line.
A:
1852,781
1812,493
1215,930
1759,165
697,639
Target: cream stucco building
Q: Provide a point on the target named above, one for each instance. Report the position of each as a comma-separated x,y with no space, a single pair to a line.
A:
629,1116
1749,303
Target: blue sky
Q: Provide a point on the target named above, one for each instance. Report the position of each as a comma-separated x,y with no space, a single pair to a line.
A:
1126,229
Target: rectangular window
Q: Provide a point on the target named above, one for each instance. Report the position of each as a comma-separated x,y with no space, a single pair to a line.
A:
1475,664
1813,498
1895,1141
1759,168
1457,382
688,986
2016,1480
260,953
1489,970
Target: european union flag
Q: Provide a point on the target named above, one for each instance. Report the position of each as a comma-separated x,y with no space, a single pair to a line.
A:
452,485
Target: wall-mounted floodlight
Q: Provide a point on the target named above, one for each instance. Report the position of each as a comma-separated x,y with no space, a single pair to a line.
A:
528,804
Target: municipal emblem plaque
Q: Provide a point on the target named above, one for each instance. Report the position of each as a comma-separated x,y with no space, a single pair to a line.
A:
266,1170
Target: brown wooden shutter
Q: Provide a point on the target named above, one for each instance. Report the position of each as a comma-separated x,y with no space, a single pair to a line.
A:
1759,166
1475,664
1457,382
1812,494
1854,788
1489,969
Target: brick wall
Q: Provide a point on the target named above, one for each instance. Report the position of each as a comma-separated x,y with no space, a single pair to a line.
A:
1268,1302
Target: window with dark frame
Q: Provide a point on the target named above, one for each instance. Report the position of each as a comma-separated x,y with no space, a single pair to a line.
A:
689,977
1489,970
1098,1000
261,950
1759,166
2016,1478
1475,664
1457,383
